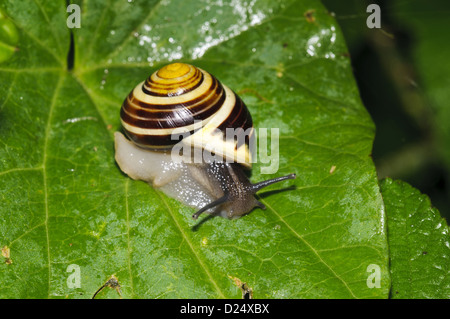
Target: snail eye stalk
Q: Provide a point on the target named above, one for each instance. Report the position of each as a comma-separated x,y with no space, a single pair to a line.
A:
217,202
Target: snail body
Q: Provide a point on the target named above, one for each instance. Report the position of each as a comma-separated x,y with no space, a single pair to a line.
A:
174,99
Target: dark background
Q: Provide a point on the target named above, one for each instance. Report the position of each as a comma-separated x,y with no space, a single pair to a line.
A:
408,144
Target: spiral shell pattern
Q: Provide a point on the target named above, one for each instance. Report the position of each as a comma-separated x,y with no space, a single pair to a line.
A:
174,99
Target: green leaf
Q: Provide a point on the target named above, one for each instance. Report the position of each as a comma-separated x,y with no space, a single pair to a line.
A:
66,205
419,243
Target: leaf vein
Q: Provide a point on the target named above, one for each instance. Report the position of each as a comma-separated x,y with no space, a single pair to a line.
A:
309,246
202,265
44,165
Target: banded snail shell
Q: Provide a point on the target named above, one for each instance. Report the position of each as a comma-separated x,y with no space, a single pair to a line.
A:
174,98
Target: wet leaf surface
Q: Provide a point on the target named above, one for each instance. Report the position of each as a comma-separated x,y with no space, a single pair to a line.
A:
65,202
418,244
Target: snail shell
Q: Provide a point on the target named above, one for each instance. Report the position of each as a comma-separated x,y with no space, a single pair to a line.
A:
171,100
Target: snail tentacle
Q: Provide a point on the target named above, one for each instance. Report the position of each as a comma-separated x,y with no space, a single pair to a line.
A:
217,202
258,186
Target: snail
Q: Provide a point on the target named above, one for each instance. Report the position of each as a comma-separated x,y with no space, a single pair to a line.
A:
185,100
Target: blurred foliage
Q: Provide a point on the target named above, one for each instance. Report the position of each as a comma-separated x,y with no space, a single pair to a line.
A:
8,37
401,73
